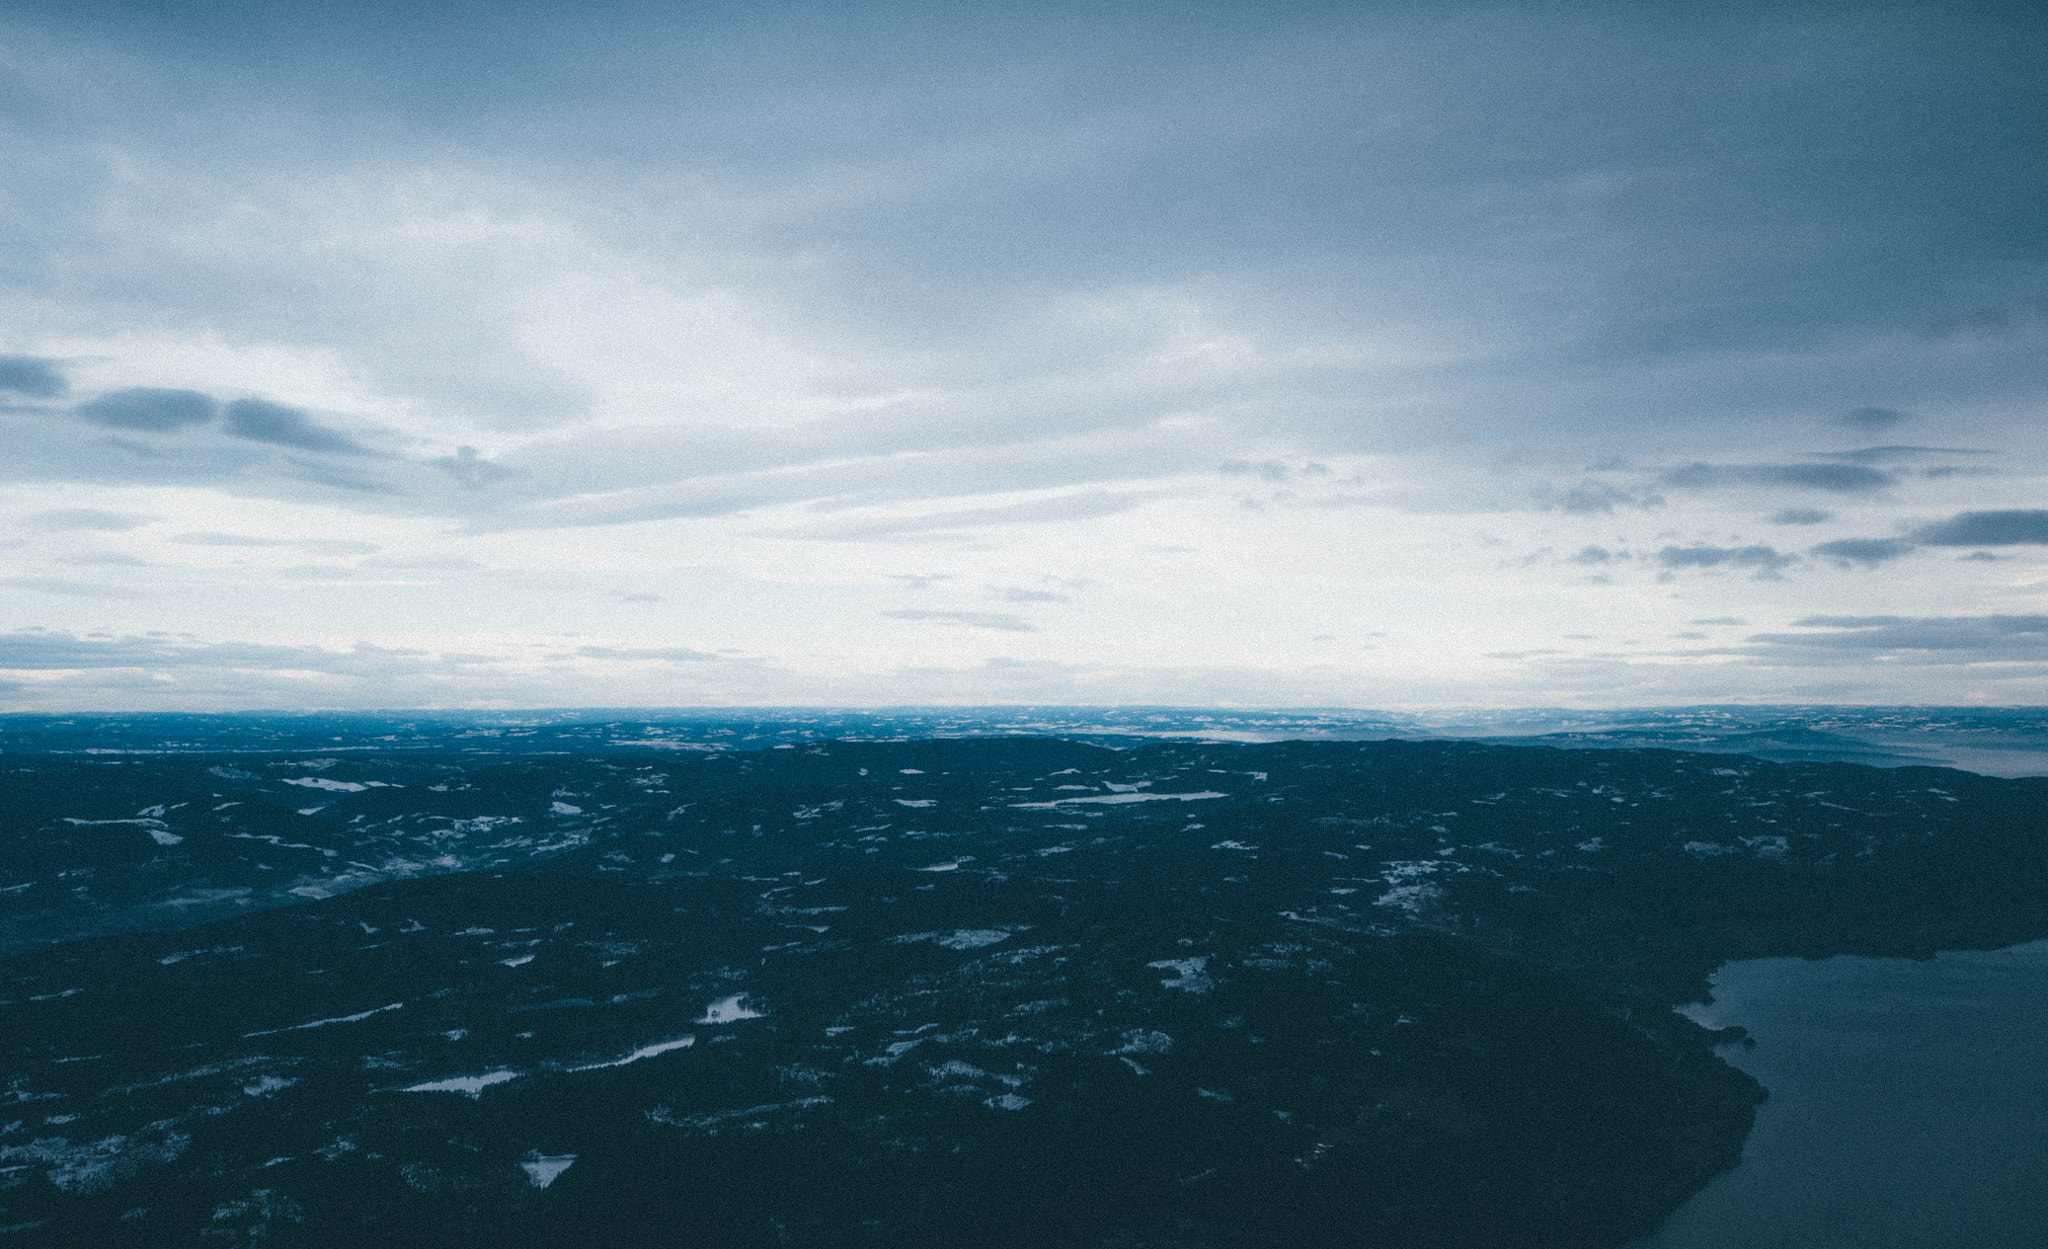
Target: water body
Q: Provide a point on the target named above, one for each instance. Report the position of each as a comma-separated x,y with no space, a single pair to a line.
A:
1908,1107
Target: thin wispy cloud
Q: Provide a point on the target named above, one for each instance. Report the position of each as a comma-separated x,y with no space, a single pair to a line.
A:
89,518
1839,478
1001,621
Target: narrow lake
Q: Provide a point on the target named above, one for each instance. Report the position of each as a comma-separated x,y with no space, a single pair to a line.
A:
1909,1105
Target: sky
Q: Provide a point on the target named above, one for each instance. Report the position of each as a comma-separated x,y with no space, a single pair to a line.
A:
1372,355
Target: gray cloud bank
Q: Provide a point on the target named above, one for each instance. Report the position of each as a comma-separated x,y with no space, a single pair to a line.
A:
261,421
41,650
32,377
1766,560
1840,478
2011,527
1347,228
1924,639
145,408
2000,528
1870,551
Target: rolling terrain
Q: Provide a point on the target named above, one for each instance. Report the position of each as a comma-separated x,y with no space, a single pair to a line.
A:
995,990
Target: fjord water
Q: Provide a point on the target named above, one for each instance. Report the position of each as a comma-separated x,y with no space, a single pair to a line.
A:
1908,1105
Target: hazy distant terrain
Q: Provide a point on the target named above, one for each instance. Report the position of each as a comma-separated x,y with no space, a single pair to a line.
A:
1996,741
740,980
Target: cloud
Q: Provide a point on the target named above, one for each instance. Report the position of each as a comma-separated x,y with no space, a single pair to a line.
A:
1895,454
226,539
1800,516
159,411
971,619
1272,470
1016,594
1870,420
1593,555
1084,506
71,589
1871,551
1589,498
41,650
1766,560
1269,470
1840,478
2028,527
317,546
936,282
87,518
417,563
667,654
1933,639
343,478
259,420
466,467
32,377
832,466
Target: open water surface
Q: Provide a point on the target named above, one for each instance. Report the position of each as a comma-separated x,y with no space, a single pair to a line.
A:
1908,1105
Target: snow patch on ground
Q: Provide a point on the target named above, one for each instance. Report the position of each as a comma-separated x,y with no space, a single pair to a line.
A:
972,938
1191,978
1117,798
645,1051
468,1086
958,939
730,1010
321,1023
157,829
93,1166
1409,891
347,787
541,1169
182,955
662,1114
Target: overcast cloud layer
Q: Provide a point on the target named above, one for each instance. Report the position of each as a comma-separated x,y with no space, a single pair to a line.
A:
1382,355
